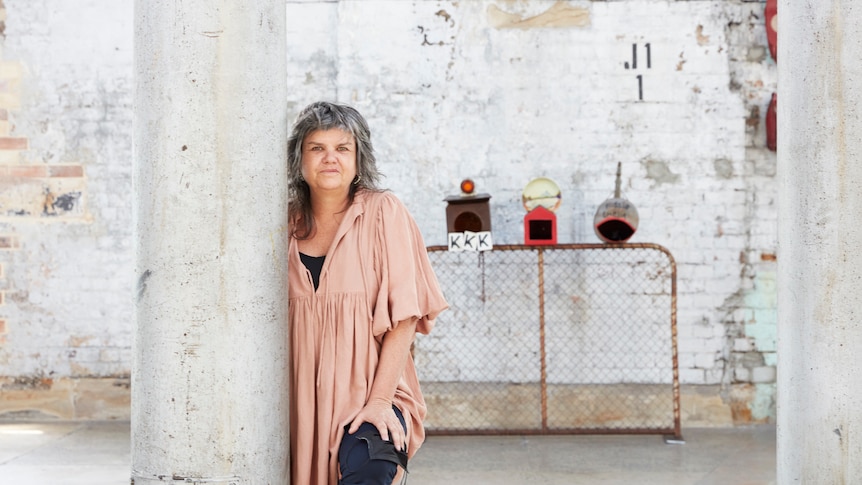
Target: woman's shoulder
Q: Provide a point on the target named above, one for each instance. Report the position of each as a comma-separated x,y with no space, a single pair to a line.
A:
380,199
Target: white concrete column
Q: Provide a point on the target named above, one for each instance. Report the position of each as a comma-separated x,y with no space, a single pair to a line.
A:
820,242
209,381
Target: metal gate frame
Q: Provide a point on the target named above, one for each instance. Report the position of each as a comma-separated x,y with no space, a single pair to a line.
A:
671,434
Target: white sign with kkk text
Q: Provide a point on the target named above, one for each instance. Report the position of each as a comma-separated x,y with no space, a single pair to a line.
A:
470,241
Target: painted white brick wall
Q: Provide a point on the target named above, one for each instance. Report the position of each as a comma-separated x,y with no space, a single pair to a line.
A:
69,287
450,96
450,93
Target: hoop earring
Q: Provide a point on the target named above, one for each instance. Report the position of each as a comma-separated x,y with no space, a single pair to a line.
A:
358,178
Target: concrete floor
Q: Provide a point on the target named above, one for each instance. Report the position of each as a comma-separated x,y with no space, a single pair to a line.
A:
98,453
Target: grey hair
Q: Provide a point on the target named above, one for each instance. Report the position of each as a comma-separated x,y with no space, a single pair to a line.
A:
323,115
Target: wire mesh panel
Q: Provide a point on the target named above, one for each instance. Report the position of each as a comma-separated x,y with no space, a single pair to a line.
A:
577,338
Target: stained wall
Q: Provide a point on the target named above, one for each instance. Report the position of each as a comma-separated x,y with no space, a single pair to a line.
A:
497,91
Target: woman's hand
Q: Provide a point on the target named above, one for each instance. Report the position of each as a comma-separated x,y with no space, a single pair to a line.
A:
380,414
378,410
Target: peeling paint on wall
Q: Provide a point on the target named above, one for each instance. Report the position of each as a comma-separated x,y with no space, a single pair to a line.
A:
559,15
37,191
701,39
659,172
723,168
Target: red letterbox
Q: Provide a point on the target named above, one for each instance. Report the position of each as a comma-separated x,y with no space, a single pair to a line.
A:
540,227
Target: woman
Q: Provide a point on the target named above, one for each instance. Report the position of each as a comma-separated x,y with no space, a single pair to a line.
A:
360,287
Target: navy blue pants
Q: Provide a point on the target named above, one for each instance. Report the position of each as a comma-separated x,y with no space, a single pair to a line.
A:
366,459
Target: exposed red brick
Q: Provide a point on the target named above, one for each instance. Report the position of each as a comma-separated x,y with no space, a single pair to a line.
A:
66,171
3,326
27,383
28,171
768,257
13,143
8,241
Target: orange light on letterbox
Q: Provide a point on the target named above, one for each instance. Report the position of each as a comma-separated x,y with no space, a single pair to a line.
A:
467,187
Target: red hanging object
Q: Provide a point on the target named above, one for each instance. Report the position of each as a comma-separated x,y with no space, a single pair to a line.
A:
771,122
771,12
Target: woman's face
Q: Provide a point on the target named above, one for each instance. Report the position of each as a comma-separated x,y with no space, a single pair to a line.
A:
329,161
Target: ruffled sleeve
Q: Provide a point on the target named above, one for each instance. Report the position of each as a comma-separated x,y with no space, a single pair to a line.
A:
408,286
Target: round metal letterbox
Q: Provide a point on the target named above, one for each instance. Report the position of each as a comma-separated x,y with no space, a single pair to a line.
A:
616,219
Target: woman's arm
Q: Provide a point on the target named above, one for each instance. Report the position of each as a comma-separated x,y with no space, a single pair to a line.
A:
390,367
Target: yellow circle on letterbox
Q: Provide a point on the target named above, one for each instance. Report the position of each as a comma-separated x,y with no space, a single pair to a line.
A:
543,192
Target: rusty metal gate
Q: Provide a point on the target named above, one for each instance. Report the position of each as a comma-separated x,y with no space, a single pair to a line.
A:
563,339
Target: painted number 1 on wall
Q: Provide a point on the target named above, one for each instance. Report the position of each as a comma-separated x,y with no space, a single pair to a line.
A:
633,65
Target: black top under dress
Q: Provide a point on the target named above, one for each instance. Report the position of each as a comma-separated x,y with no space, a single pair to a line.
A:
314,264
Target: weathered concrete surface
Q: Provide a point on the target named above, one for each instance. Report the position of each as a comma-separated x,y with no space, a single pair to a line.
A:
209,375
66,399
508,407
820,283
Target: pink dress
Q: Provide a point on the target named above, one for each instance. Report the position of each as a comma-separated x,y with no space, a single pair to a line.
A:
376,274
